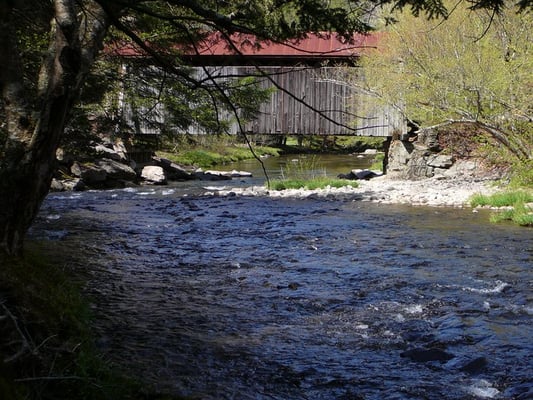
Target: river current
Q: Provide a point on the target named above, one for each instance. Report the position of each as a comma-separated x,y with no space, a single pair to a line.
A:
259,298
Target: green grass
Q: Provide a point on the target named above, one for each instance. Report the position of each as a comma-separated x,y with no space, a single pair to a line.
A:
377,164
308,174
503,199
520,212
309,184
212,155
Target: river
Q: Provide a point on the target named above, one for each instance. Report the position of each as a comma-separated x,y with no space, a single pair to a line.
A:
259,298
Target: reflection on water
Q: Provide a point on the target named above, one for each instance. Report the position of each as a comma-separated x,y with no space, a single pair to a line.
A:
256,298
329,165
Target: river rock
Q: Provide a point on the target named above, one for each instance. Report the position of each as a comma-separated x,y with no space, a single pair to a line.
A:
173,171
153,174
420,354
116,170
440,161
211,176
90,173
355,174
474,366
66,185
111,153
232,174
364,173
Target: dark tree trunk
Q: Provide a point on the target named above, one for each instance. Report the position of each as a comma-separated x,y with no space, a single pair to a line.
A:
35,122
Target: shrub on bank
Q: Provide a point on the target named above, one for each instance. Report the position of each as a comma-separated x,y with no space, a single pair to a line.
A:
517,203
522,175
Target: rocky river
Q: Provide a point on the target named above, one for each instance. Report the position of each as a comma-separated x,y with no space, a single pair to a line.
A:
229,297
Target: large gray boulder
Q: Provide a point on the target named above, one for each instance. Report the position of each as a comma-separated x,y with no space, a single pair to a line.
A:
418,159
89,173
440,161
116,170
104,173
173,171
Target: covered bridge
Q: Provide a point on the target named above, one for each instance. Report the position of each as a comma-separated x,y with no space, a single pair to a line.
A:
310,80
310,76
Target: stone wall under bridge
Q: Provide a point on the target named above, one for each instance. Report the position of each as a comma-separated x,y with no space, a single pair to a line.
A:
421,155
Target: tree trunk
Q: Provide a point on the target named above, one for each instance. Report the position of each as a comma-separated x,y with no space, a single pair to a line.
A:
36,123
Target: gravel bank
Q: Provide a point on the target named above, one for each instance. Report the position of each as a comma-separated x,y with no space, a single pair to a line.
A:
436,192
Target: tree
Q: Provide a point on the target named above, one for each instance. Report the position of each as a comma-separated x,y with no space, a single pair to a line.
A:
474,67
38,96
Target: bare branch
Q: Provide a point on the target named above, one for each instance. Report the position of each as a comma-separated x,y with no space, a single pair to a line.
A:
25,344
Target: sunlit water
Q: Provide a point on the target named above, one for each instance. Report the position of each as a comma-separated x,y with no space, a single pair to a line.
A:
258,298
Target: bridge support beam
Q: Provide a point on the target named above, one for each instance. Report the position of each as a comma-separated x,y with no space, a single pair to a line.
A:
386,149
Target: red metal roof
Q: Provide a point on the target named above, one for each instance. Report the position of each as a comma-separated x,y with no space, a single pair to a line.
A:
324,45
312,46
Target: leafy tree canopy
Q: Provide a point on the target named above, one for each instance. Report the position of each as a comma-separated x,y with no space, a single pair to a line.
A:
475,66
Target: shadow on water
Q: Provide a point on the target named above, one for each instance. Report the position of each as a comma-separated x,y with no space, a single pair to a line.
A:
258,298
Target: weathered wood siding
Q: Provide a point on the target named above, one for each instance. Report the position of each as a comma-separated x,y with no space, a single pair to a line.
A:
304,101
311,101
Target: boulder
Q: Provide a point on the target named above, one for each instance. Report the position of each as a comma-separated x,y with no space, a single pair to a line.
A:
63,157
211,176
355,174
89,173
153,174
349,176
429,138
364,174
232,174
462,168
116,170
56,185
475,366
75,184
440,161
107,152
104,173
173,171
427,355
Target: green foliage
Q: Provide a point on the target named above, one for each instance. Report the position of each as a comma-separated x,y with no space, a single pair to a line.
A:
377,164
503,199
517,206
306,173
522,175
473,66
212,155
519,214
310,183
359,144
303,168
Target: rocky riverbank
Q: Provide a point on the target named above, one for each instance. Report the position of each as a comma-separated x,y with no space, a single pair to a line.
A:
435,191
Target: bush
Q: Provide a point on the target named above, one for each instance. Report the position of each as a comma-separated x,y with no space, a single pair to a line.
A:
522,175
